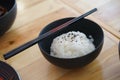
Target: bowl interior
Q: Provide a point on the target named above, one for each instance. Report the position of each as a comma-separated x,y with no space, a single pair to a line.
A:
8,4
7,72
84,25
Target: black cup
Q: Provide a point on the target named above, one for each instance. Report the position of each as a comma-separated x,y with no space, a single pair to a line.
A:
8,18
84,25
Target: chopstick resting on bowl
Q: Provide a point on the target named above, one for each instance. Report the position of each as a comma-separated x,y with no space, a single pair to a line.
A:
45,35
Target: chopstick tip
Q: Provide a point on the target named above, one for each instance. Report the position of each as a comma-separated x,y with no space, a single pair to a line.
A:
5,57
96,9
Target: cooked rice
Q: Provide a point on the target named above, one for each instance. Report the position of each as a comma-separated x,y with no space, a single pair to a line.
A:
71,45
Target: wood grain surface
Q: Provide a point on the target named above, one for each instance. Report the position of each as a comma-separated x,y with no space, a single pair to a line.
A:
34,15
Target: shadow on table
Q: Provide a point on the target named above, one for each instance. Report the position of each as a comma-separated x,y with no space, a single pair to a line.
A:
93,71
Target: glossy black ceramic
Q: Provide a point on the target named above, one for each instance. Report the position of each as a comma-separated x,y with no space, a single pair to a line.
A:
7,19
84,25
7,72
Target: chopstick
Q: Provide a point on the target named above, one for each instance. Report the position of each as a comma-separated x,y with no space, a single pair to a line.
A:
43,36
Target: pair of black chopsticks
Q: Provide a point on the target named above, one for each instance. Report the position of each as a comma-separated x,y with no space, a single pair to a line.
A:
36,40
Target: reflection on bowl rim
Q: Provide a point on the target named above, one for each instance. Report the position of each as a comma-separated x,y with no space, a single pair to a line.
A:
18,75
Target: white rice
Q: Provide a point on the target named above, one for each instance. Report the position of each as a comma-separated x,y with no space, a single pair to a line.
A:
71,45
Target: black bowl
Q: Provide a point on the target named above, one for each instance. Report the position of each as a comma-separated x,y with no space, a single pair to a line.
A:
84,25
7,72
8,18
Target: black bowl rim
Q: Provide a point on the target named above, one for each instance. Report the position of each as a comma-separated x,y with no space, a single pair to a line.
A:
9,10
101,43
4,63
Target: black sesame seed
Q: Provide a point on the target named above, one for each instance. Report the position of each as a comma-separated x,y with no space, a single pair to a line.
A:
68,35
60,41
54,53
75,35
72,37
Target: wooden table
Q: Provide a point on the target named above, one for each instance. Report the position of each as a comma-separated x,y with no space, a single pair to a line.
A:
34,15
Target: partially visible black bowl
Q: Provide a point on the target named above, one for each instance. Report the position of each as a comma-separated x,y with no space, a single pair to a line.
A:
84,25
7,72
8,18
